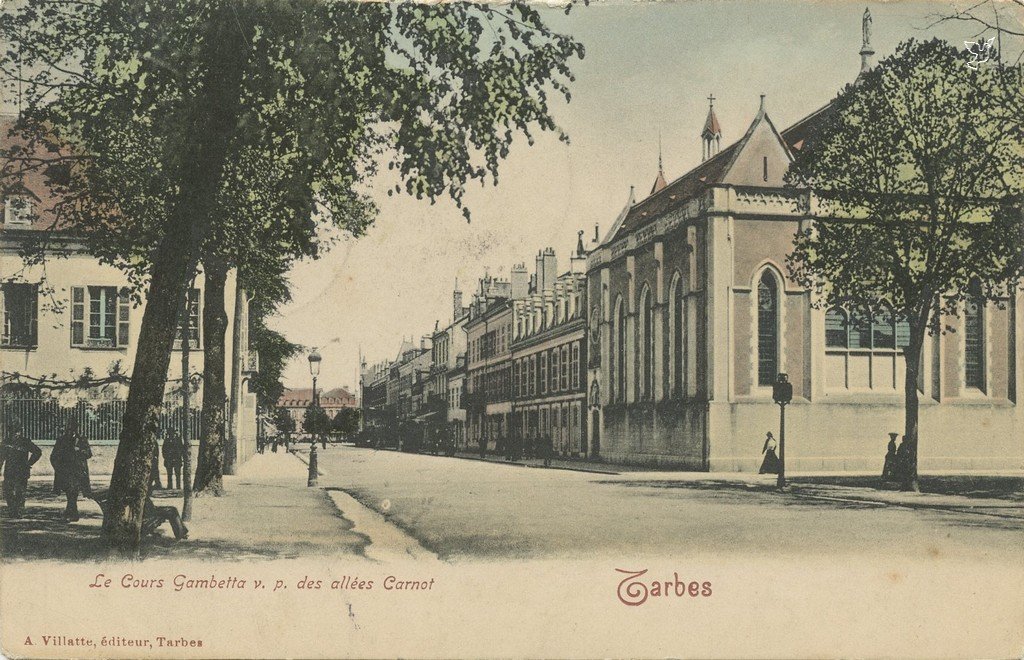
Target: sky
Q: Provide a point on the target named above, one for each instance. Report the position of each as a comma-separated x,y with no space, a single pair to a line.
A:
648,70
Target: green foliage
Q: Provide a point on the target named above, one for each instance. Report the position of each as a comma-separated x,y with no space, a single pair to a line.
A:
346,421
329,92
923,158
283,420
316,421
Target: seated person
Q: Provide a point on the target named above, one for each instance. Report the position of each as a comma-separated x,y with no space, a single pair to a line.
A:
153,516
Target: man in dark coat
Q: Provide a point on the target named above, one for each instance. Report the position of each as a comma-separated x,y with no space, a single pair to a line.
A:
154,467
70,460
174,454
17,456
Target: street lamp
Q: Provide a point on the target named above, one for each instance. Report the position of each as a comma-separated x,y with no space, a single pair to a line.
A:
314,370
782,393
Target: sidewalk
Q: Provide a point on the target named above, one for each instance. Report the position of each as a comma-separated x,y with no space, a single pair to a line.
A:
999,494
266,512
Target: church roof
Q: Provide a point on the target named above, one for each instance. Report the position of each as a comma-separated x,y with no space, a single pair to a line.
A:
659,182
802,132
711,125
714,170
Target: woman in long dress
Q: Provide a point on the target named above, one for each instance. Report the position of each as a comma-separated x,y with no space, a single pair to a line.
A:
770,463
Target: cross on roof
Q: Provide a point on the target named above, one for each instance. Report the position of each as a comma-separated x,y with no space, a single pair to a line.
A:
711,99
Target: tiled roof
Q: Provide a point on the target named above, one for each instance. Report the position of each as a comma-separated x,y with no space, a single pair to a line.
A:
303,397
799,134
678,192
711,125
712,171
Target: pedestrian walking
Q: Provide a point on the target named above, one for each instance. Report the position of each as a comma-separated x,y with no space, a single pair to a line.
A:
902,462
548,449
889,467
154,466
17,456
770,463
483,446
70,460
174,455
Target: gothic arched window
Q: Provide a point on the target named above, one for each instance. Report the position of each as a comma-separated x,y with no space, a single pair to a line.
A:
767,330
677,338
620,347
595,337
974,339
835,328
645,345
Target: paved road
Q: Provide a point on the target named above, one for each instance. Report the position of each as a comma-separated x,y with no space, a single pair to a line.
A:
462,508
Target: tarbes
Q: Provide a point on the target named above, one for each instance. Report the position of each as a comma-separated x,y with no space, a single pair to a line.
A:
634,591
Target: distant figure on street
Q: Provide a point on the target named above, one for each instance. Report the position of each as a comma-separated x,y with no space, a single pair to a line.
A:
17,456
273,444
770,463
70,460
547,448
174,455
154,466
889,467
483,446
902,463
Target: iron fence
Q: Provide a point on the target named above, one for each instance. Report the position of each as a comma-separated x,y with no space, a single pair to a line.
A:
99,421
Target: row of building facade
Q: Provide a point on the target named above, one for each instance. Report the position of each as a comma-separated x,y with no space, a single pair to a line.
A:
659,345
510,364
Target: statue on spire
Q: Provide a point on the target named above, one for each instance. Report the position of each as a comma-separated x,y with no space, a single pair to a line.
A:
866,27
866,51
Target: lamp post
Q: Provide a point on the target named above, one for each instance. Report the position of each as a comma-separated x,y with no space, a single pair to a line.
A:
782,393
314,370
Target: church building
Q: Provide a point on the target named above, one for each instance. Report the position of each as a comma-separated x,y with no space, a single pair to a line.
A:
692,317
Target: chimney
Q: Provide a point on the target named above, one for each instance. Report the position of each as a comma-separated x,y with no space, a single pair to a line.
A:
550,264
597,235
520,281
539,271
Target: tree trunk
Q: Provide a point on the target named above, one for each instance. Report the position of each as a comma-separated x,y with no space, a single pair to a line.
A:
912,354
207,127
210,466
234,401
129,481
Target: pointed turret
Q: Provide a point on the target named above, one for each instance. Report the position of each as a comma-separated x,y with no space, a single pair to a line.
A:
711,136
659,181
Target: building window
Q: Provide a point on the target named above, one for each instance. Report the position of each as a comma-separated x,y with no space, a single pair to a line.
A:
974,342
555,369
99,317
595,337
18,211
193,322
565,367
862,347
767,330
576,365
543,373
836,327
620,347
20,309
676,338
645,339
